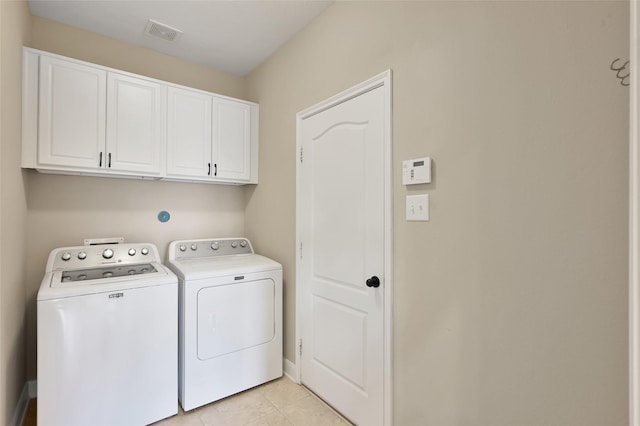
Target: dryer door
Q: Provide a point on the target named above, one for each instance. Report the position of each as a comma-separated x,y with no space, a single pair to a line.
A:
234,317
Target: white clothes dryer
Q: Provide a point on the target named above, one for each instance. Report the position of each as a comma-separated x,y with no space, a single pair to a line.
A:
230,318
107,337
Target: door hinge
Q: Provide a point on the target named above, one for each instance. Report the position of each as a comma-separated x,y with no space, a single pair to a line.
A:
300,250
300,347
301,154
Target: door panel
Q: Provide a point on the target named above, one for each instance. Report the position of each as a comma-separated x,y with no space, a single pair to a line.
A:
338,215
339,326
71,121
231,140
134,125
234,317
189,133
342,229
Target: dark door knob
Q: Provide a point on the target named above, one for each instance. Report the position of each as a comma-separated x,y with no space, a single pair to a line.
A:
373,282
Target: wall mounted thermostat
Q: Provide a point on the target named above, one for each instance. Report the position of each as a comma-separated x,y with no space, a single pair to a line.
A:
416,171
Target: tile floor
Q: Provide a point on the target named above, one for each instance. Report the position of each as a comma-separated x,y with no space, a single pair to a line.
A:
277,403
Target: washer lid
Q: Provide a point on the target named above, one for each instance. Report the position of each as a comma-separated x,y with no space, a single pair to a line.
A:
113,271
53,286
222,266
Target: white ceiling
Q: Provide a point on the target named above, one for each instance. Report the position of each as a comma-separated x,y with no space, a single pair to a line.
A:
229,35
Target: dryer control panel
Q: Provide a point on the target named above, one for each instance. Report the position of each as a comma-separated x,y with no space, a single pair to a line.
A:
191,249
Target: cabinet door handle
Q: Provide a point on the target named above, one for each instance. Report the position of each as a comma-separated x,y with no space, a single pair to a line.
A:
100,161
215,169
209,172
109,160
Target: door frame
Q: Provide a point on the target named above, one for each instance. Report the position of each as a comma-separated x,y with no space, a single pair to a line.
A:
634,218
381,80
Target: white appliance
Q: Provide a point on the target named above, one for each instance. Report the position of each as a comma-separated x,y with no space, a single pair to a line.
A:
230,309
107,337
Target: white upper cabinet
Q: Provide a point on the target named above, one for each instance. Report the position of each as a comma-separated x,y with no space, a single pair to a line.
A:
80,118
231,140
189,134
91,120
211,138
135,118
71,111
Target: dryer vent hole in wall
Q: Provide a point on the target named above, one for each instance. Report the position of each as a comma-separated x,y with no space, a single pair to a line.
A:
164,216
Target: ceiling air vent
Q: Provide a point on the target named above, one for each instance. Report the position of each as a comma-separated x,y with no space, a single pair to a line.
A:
165,32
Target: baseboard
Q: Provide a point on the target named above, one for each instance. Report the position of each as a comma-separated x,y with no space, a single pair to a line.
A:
29,391
33,389
290,370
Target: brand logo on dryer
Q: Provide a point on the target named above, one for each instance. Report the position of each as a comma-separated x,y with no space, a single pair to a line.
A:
116,295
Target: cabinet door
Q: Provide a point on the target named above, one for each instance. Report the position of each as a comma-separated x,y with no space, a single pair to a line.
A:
231,140
134,125
189,134
71,114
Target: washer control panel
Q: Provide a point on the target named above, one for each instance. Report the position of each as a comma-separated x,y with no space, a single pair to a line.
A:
67,258
192,249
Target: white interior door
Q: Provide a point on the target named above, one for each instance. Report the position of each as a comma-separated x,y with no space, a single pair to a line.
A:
342,268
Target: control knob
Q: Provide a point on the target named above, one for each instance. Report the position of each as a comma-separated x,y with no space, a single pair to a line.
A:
243,243
183,247
144,251
66,256
82,255
234,244
194,247
107,253
132,252
215,245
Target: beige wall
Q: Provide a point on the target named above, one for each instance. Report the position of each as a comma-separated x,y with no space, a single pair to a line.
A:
64,210
511,303
75,43
14,26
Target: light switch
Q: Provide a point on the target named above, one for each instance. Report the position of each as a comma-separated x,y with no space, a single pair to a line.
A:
418,207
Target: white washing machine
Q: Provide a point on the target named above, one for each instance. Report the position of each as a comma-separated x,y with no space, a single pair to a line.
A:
230,310
107,337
